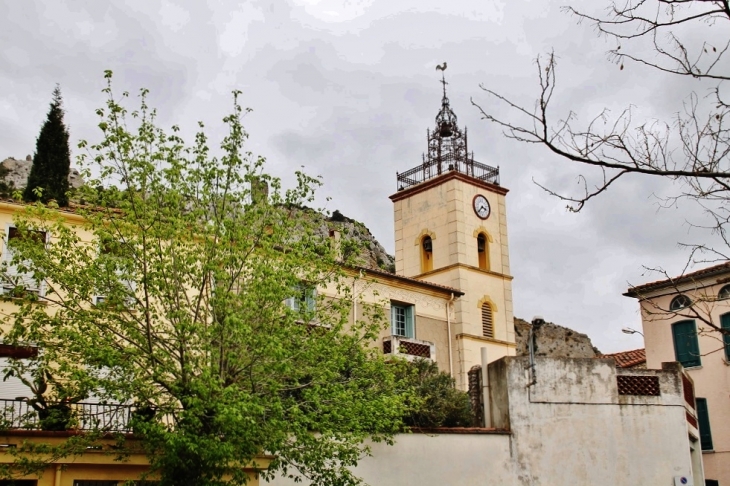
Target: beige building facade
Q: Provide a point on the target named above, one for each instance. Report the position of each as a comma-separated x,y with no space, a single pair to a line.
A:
680,317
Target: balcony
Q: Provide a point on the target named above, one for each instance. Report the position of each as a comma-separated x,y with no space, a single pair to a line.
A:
431,168
409,348
18,414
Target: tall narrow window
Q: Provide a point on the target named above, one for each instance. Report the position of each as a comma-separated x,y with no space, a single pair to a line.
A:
401,319
483,251
14,280
426,254
686,347
703,417
487,321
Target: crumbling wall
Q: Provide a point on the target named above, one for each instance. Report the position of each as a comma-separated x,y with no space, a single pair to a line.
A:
554,341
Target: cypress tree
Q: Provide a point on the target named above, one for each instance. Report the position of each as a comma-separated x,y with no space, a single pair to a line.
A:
52,159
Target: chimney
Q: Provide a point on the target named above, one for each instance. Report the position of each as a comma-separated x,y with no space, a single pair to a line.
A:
335,242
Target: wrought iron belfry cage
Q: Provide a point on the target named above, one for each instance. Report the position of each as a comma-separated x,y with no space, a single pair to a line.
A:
447,151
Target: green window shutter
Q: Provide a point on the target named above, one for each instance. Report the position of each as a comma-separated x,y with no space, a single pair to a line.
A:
393,331
686,347
725,324
410,324
703,417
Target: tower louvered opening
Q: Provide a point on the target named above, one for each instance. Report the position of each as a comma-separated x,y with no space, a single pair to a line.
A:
487,322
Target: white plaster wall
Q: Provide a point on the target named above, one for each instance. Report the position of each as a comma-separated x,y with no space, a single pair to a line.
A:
572,427
436,460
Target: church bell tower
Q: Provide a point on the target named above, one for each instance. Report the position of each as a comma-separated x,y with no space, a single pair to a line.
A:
451,229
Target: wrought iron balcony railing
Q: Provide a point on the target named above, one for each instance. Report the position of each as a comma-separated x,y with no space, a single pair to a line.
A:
18,414
409,348
447,163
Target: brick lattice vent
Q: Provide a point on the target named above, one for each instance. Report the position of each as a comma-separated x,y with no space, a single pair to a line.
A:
387,347
415,349
638,385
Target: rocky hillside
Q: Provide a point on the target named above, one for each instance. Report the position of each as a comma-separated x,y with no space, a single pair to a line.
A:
14,175
554,341
372,254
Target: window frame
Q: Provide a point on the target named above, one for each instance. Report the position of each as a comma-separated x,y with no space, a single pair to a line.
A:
409,320
483,256
131,285
725,324
487,306
679,306
7,257
724,293
426,255
693,341
703,417
303,293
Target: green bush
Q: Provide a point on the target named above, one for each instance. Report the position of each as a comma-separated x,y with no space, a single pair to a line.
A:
434,400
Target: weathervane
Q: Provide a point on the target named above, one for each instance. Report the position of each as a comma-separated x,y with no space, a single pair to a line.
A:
442,68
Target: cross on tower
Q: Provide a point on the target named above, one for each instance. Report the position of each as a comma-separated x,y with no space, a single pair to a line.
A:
443,81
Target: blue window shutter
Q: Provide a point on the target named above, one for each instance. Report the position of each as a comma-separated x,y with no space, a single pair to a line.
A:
311,299
686,346
410,325
725,324
703,417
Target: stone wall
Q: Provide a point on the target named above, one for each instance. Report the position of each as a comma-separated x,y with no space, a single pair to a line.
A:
554,341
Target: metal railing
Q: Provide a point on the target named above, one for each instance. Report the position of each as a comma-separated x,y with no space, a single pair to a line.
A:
19,414
447,163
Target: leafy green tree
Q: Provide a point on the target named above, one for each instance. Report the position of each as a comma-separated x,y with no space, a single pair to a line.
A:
434,400
192,297
52,159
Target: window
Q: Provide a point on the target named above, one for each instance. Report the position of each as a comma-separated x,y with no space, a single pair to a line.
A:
426,254
686,347
680,302
703,417
401,319
487,322
14,279
303,300
724,293
483,251
118,255
725,324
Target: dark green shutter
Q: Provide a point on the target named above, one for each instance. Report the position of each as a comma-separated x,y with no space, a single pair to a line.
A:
410,324
686,347
725,324
703,417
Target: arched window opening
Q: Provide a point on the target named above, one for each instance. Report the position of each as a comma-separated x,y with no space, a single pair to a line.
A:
426,254
483,251
680,302
724,293
487,321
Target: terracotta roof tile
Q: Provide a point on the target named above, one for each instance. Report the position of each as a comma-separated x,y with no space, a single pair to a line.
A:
627,359
670,282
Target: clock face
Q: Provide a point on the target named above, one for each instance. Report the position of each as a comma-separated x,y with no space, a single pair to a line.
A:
481,206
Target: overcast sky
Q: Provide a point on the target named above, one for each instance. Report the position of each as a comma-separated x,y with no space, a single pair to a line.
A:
347,88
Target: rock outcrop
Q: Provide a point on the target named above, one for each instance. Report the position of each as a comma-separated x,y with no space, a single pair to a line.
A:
15,173
554,341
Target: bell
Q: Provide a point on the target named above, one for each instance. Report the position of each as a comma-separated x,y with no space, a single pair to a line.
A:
445,130
427,246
